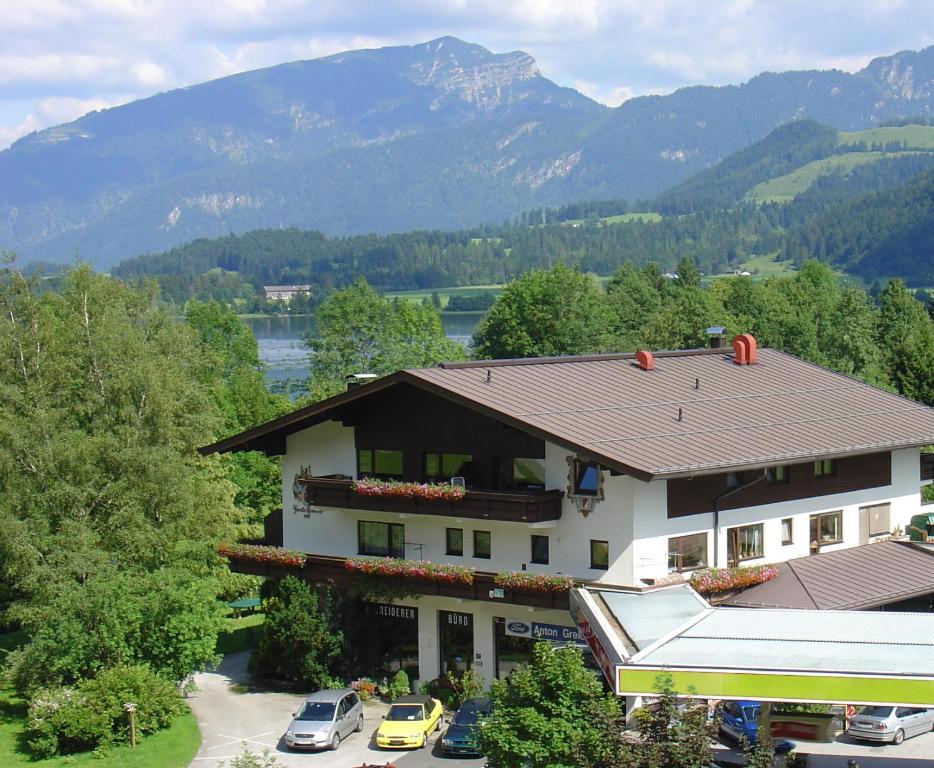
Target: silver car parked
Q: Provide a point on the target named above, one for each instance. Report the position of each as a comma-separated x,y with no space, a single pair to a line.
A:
893,724
325,719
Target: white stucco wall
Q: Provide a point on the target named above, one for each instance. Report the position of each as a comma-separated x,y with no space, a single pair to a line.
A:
632,518
653,528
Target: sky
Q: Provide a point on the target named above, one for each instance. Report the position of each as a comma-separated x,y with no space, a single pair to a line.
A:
63,58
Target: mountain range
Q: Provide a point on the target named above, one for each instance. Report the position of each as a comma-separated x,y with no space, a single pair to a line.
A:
443,134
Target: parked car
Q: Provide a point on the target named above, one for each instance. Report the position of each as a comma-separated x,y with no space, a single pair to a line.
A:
892,724
461,737
409,722
740,720
325,718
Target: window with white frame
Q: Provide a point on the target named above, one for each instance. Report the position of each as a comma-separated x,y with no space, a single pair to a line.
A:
880,518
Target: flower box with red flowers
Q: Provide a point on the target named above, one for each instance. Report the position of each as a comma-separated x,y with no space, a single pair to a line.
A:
259,553
410,569
369,486
533,582
713,580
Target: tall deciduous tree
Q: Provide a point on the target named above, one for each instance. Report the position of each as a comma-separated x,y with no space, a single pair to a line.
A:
557,311
359,331
905,334
101,413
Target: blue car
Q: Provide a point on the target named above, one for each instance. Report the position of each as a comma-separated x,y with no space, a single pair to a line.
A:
740,720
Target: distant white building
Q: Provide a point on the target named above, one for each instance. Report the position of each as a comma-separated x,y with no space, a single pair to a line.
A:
284,292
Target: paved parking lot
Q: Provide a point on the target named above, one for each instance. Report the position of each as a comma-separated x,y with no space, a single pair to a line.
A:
912,753
228,719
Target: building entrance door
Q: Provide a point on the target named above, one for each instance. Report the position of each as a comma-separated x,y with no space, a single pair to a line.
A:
455,636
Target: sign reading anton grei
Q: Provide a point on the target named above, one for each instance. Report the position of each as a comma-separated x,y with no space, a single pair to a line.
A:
556,633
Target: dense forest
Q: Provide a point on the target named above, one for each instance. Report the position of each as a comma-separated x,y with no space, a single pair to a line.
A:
867,213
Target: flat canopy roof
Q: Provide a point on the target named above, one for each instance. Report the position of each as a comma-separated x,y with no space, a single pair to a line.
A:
695,412
770,655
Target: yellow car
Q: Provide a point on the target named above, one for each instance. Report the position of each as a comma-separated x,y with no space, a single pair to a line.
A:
409,722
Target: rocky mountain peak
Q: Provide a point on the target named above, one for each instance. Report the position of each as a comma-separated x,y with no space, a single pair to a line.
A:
905,75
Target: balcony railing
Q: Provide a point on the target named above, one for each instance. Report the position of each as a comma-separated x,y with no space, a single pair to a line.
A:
530,507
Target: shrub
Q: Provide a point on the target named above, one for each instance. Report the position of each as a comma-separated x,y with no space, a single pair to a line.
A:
91,715
61,721
399,686
365,687
469,685
296,644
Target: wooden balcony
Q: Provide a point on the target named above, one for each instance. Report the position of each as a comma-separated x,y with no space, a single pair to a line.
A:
324,569
530,507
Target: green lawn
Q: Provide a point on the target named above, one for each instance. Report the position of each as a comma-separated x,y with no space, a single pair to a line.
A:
445,294
914,136
648,216
783,188
172,748
767,266
240,634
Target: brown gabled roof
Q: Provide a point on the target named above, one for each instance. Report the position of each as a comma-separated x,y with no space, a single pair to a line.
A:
777,411
858,578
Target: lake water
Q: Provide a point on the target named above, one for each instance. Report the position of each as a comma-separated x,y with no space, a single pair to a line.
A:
279,338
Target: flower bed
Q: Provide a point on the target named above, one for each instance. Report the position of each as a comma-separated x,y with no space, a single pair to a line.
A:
396,489
723,579
259,553
417,569
533,582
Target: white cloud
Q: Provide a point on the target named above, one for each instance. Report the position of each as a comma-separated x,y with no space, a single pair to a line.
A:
89,50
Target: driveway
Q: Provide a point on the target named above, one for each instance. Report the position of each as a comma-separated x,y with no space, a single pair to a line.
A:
229,718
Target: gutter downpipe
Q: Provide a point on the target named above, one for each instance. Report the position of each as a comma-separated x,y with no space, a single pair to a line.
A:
716,513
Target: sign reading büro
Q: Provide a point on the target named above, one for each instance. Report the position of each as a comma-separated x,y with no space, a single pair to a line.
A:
556,633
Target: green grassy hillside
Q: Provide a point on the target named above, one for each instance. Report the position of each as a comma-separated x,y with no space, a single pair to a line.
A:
784,188
913,136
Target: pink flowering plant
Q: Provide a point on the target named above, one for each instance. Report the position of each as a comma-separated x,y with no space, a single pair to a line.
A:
417,569
712,580
369,486
533,582
259,553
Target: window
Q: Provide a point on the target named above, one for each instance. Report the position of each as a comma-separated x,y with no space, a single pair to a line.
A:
482,544
540,550
586,478
528,473
744,543
879,518
827,528
787,531
454,542
734,479
380,539
599,554
379,462
778,474
445,465
825,467
685,553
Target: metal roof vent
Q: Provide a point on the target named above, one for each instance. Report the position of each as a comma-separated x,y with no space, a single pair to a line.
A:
715,334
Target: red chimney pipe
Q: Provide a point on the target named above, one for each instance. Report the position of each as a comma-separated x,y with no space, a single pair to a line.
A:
739,351
744,349
645,360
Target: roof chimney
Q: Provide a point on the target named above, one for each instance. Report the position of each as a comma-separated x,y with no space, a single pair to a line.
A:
715,335
744,349
645,360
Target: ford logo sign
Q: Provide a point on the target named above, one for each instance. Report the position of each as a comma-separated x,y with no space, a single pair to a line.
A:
519,627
